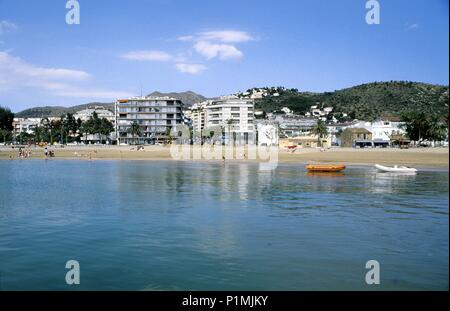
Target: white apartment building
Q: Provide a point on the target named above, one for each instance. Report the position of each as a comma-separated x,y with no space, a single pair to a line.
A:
156,116
25,125
197,115
381,130
235,116
101,111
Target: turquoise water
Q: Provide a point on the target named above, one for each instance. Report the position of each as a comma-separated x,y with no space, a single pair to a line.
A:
207,226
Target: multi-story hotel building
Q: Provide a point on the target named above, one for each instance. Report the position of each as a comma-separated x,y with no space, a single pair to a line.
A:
25,125
197,115
156,116
235,116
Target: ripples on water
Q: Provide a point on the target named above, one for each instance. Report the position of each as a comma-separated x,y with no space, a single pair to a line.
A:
181,225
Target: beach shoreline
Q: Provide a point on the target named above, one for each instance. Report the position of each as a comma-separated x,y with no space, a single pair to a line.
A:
418,157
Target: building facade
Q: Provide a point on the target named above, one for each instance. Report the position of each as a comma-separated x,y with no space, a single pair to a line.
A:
197,115
356,137
156,117
293,126
25,125
382,130
101,112
235,116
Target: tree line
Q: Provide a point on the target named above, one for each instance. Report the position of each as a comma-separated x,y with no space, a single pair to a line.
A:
65,130
419,127
422,127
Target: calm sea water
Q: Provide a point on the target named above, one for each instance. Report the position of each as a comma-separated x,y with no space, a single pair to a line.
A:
208,226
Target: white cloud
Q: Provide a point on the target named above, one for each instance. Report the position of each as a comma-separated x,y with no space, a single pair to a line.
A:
222,51
212,44
191,68
185,38
411,27
17,74
6,26
151,55
227,36
82,93
209,44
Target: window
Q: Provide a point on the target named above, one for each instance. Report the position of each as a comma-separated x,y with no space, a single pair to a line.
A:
235,109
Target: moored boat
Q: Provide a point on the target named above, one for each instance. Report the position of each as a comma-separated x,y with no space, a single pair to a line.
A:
396,169
325,167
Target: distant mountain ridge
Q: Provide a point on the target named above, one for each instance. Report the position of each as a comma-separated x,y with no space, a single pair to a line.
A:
365,102
57,111
188,98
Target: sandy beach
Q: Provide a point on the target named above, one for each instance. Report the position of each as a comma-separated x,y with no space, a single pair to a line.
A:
420,157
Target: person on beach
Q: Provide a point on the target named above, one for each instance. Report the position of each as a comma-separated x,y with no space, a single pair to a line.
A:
46,152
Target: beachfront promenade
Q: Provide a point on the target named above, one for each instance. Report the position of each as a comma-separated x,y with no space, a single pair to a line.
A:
422,157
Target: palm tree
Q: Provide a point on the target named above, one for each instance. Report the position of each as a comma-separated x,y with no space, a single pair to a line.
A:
436,130
86,128
135,129
39,133
4,133
320,130
106,128
69,125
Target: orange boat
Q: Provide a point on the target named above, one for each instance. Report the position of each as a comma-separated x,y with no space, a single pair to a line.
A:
325,167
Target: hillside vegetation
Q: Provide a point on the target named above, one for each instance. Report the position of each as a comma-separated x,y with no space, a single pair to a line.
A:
57,111
366,101
188,98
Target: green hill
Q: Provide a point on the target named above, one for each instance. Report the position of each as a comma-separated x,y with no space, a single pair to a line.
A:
57,111
188,99
366,101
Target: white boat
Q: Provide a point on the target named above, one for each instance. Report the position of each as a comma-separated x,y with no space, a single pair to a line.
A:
396,169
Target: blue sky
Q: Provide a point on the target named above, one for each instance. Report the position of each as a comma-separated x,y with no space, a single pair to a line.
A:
212,47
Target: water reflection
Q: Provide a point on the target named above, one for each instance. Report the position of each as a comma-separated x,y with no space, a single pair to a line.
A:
191,225
325,174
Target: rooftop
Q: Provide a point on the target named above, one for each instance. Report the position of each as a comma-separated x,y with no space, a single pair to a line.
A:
358,130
